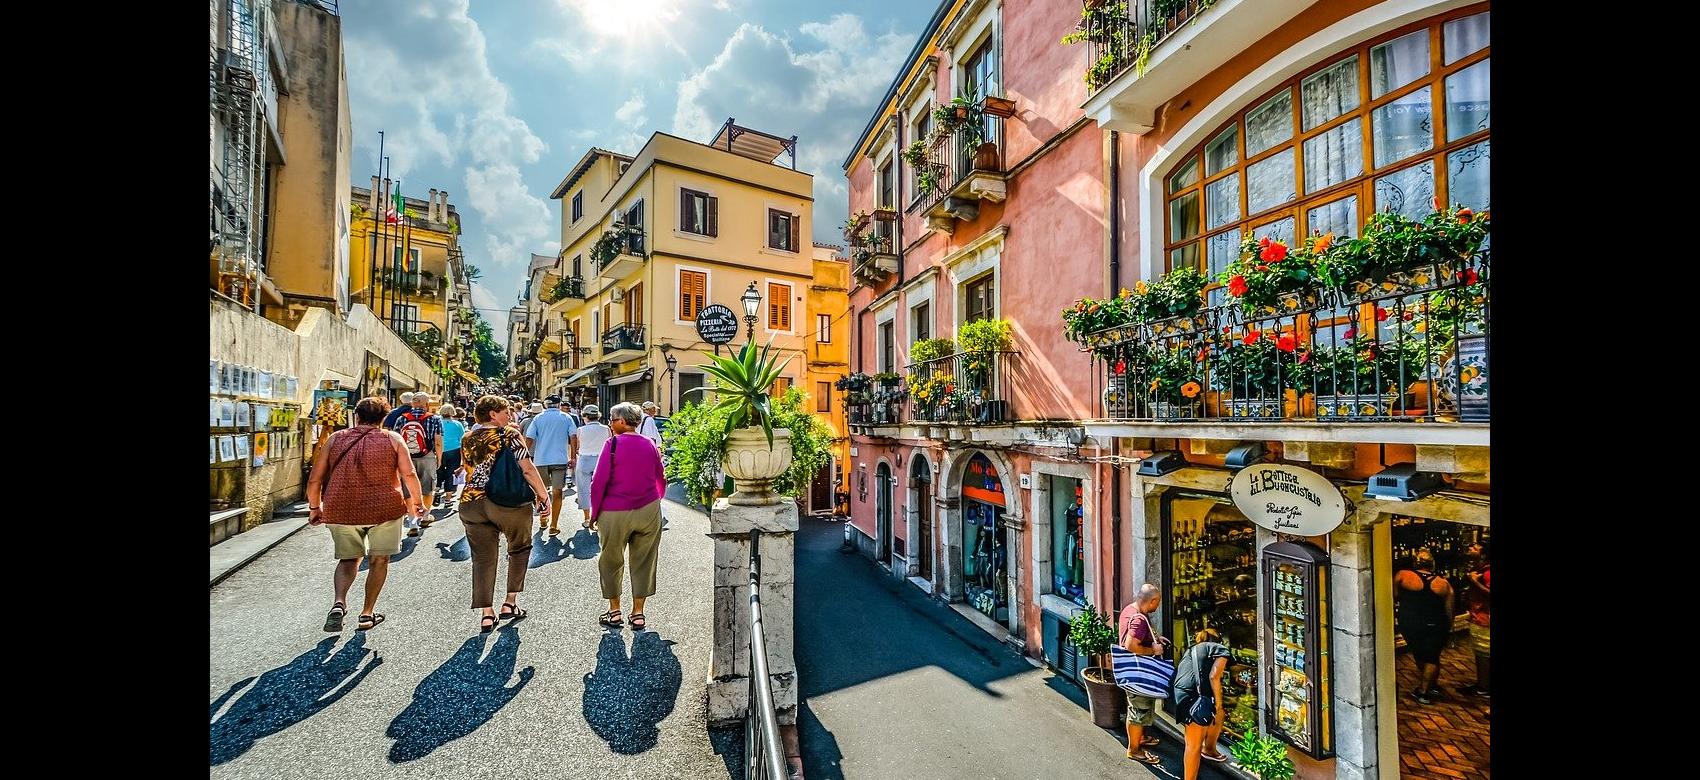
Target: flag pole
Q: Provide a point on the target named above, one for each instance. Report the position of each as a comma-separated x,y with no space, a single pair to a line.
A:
372,235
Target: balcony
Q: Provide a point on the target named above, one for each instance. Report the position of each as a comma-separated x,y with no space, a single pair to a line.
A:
413,284
1324,367
959,167
619,252
567,287
872,257
622,342
965,388
1141,53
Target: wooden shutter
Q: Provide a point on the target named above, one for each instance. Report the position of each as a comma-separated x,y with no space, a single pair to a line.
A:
693,294
634,304
713,216
795,245
685,222
778,306
578,339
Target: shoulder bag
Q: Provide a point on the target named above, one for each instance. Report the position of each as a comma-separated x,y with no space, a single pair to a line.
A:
1203,708
507,485
1144,675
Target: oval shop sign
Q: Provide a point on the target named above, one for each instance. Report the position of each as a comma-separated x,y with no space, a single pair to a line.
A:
1288,499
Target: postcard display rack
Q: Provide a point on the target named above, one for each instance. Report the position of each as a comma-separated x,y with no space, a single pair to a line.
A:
1295,639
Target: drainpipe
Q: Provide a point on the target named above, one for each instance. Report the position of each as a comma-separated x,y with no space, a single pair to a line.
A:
1115,284
897,241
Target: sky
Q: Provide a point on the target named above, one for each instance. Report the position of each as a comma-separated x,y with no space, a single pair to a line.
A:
495,101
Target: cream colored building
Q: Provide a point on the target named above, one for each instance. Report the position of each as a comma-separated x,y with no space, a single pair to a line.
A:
707,221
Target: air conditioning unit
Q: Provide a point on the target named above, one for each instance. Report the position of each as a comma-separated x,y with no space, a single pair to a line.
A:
618,295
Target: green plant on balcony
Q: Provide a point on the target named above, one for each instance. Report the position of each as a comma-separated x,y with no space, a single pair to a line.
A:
926,181
1257,365
931,349
1393,244
916,153
613,242
1104,26
854,224
1363,366
933,392
1172,374
981,340
1270,277
426,343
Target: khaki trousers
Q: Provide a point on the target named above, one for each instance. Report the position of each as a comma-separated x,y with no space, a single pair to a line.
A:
640,528
486,523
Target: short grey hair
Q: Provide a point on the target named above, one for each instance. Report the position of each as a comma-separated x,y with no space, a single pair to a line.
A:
628,411
407,397
1147,592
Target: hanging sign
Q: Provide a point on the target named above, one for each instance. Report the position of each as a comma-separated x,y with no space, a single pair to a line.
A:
1288,499
716,324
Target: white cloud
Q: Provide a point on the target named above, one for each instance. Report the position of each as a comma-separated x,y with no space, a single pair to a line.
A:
516,223
631,111
823,95
722,5
493,310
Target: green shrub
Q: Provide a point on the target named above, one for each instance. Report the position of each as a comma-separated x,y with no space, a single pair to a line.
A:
1265,756
695,440
1091,632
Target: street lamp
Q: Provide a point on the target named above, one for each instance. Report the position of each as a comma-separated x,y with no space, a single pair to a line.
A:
673,372
752,304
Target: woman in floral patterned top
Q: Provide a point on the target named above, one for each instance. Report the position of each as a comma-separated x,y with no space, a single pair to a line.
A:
487,521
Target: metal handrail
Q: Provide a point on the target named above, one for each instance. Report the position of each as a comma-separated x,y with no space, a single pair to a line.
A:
764,756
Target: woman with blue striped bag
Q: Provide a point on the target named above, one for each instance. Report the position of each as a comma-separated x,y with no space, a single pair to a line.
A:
1142,670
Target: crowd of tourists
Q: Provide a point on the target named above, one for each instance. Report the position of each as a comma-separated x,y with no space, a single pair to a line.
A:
499,465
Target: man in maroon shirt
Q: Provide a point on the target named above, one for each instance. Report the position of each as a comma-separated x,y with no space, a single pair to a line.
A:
1139,637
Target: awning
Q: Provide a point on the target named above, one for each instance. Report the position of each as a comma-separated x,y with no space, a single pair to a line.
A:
339,378
636,376
468,375
574,379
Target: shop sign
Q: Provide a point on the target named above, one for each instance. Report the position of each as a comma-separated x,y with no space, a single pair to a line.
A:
716,324
1288,499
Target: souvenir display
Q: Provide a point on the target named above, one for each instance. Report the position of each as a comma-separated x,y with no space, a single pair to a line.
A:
1296,612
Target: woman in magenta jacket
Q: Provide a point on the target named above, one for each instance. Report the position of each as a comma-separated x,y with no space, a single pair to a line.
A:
626,511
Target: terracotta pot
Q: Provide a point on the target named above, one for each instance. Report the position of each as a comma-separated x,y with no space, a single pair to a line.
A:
1213,404
986,157
885,215
1109,706
999,106
961,112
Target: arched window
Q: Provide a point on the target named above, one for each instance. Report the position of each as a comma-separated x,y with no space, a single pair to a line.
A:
1394,124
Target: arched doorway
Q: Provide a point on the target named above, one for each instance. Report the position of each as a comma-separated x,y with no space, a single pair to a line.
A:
921,503
882,513
985,554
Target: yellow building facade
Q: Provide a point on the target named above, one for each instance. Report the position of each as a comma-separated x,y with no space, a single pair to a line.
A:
828,361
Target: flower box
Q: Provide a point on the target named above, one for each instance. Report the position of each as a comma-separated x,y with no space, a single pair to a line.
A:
999,106
1164,410
885,214
1356,407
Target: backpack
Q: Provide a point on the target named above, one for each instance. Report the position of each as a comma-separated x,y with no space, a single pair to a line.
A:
506,485
413,434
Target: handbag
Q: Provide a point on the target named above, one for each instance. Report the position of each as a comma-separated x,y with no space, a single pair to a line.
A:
608,484
1144,675
507,485
1203,708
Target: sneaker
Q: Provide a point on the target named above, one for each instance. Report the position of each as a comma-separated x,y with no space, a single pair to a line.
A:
1473,690
1421,697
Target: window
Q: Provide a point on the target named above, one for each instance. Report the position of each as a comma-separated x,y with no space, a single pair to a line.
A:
408,261
823,328
405,317
699,213
634,218
1385,126
923,327
634,304
888,347
778,306
782,230
578,266
888,185
923,133
578,206
780,385
1068,539
578,340
823,396
981,298
981,73
693,294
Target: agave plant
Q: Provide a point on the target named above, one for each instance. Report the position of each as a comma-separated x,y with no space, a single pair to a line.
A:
742,383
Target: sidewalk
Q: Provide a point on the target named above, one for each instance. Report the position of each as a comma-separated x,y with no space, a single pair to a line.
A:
898,685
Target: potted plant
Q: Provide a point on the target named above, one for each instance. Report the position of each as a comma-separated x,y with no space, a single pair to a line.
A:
931,349
1172,376
996,106
853,225
742,384
887,379
1092,635
1259,374
916,153
696,443
1263,756
1172,304
982,340
1456,326
1271,278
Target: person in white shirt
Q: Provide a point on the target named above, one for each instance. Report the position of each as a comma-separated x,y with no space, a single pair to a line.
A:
591,437
651,430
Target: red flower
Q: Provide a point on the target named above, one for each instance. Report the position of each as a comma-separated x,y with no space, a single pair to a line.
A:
1437,205
1286,343
1351,333
1464,214
1304,357
1406,316
1121,366
1237,286
1274,252
1262,267
1251,337
1227,328
1094,308
1203,353
1266,241
1470,276
1380,314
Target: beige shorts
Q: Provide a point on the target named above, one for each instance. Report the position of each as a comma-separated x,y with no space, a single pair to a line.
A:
1141,710
358,541
1479,639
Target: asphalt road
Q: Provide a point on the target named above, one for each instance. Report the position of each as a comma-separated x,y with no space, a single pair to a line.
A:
896,685
425,694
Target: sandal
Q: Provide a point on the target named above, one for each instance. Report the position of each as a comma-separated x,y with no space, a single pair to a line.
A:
1150,742
333,621
1146,757
611,619
485,628
638,622
368,622
554,532
512,612
1218,758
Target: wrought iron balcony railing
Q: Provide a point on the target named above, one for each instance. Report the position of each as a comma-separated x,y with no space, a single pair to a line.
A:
951,157
967,387
1413,349
1122,34
622,337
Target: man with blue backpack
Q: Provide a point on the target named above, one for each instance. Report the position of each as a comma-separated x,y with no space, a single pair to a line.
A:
422,434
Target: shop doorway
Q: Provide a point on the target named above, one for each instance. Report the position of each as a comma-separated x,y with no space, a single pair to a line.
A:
882,513
1446,736
1210,579
921,502
1068,539
820,491
985,558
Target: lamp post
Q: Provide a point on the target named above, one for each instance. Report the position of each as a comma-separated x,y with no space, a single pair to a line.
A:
752,304
673,373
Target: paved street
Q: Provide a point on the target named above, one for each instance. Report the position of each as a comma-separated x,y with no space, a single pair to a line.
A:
426,695
898,685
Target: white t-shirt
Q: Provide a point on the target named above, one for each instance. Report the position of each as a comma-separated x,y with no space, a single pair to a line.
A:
591,438
651,430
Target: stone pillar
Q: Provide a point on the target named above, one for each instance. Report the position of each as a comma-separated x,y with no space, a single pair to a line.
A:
431,206
729,665
1353,641
372,202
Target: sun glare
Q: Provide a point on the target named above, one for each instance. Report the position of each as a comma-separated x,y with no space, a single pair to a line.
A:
615,17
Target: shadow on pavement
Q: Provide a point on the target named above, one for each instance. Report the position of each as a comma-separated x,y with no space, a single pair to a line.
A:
547,549
585,545
287,695
855,624
407,545
821,757
459,696
728,743
625,699
459,551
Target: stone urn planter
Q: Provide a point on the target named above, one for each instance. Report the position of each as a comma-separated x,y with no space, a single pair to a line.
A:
753,465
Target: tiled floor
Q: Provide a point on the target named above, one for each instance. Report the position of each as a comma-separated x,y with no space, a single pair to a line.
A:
1446,740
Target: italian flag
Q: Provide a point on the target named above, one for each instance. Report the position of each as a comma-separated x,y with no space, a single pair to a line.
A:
393,214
